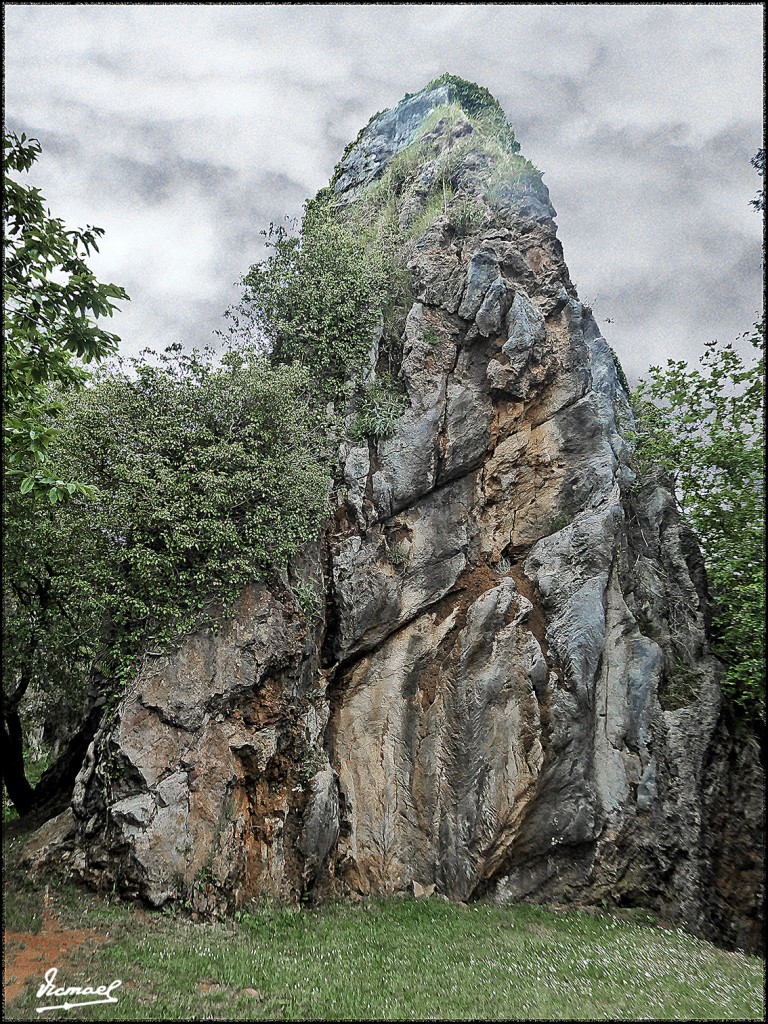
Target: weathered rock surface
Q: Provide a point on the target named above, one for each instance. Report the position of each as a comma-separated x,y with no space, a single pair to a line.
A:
386,135
509,691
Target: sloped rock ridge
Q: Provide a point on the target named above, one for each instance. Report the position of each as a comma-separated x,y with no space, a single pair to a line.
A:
508,691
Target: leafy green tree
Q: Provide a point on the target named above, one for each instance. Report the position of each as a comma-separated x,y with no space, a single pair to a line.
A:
206,475
51,303
209,475
315,300
704,426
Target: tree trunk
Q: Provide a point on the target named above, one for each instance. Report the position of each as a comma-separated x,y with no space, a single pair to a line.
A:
19,790
57,781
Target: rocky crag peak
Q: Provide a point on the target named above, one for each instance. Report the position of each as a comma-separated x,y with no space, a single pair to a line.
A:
508,690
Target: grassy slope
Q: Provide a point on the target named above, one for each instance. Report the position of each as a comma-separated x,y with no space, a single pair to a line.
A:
396,960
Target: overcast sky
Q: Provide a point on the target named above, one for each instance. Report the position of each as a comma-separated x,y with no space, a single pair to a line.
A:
183,130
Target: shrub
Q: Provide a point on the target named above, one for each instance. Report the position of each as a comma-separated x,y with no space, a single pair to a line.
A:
306,597
314,300
398,554
378,410
705,427
466,214
209,475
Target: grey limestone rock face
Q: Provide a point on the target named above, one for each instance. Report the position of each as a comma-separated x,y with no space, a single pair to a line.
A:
375,595
439,746
485,702
482,273
194,786
385,136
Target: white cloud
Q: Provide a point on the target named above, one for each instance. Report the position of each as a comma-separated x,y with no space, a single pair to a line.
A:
183,129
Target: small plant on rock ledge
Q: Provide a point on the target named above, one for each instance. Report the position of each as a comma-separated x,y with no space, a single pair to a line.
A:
681,686
312,761
503,566
399,554
378,410
466,214
558,523
306,598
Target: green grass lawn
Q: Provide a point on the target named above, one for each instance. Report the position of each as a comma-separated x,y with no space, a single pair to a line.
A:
385,960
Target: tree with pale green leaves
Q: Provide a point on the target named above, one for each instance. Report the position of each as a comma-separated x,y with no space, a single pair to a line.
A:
51,306
705,427
316,299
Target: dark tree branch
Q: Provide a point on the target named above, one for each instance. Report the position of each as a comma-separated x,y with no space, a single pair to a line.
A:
19,789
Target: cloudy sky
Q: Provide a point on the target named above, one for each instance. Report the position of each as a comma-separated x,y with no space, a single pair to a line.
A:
183,130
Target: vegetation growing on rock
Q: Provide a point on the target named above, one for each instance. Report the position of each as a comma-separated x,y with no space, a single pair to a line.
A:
476,100
455,156
313,301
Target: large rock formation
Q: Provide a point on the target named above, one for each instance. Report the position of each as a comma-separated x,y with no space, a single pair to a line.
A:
508,690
